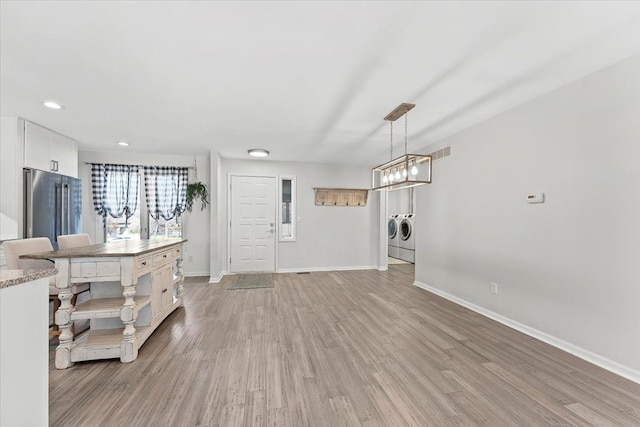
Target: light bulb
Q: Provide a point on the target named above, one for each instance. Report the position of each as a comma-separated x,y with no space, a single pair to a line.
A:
397,174
414,170
385,179
391,177
404,173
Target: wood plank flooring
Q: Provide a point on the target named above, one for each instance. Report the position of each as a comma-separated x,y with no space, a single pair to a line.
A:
350,348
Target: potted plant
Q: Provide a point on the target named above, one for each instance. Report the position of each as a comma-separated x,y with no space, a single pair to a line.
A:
195,191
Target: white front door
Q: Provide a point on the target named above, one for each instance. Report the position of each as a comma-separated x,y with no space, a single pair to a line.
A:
253,224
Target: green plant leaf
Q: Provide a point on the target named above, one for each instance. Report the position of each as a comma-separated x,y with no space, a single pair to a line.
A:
195,191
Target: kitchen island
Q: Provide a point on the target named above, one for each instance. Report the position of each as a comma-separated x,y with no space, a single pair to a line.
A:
135,285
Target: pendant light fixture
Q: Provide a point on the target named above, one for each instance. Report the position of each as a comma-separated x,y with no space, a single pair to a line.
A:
409,170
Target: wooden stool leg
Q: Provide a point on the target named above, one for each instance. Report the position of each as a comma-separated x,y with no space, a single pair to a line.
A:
56,305
73,325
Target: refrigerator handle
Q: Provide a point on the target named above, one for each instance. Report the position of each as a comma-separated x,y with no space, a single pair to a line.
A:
58,216
28,212
67,211
63,209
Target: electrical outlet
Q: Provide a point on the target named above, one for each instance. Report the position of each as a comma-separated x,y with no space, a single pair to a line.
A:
494,288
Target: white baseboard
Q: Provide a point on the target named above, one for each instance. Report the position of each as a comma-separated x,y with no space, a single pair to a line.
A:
296,270
299,270
315,269
596,359
196,274
217,279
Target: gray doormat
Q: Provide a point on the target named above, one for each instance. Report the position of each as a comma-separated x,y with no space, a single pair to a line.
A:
251,281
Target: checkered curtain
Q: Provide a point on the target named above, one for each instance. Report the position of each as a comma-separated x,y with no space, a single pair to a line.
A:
115,189
165,189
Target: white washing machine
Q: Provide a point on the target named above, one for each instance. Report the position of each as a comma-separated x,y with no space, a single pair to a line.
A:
393,226
407,241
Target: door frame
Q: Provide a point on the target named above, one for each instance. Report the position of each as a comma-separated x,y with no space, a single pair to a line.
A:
276,233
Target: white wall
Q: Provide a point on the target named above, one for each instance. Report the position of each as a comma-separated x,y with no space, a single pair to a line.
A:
567,269
11,149
400,201
196,224
328,237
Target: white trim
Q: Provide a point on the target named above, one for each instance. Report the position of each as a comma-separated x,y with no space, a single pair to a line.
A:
317,269
197,274
227,225
217,279
384,268
383,233
300,270
596,359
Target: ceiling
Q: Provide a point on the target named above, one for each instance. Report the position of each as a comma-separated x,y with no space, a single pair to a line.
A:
308,81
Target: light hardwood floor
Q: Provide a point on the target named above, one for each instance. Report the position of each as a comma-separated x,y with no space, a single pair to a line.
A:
338,349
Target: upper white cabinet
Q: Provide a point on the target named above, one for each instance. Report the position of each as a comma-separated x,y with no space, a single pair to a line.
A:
49,151
65,153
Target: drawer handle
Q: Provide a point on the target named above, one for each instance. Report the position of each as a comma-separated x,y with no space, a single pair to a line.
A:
164,290
164,256
144,263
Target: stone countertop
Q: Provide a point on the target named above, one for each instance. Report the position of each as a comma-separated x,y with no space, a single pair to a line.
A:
118,248
16,277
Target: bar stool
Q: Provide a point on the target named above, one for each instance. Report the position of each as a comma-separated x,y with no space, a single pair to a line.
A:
12,251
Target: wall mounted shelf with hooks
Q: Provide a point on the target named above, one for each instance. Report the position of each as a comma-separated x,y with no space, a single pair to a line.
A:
341,196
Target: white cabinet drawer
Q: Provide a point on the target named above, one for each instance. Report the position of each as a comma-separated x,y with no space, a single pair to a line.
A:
163,257
144,264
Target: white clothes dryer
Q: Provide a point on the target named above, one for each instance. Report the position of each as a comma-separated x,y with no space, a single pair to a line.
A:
407,241
393,226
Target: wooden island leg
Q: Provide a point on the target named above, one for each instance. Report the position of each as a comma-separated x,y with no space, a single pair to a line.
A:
63,315
180,275
129,346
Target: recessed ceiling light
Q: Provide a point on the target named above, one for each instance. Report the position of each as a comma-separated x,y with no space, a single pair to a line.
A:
53,105
123,143
258,152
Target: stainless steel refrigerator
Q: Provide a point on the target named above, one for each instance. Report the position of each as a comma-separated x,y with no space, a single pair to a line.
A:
52,205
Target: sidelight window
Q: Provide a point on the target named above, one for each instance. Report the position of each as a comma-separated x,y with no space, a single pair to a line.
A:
287,209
